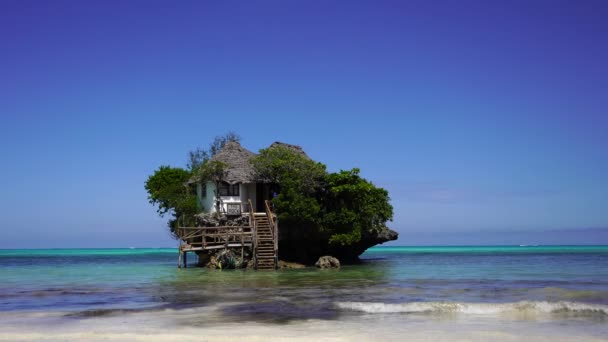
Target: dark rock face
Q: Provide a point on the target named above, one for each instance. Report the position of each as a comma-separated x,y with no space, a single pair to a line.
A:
327,262
307,246
302,245
352,253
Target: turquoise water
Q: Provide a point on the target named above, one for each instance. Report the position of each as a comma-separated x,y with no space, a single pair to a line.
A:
80,280
546,293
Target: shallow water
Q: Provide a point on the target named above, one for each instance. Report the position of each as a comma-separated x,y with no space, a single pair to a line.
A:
557,291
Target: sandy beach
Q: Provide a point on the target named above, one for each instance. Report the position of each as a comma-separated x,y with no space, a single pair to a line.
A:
189,325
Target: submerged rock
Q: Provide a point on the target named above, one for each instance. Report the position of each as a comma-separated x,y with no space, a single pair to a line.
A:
328,262
290,265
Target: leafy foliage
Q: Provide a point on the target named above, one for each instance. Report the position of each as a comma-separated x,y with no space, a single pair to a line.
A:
353,206
281,165
344,206
199,156
298,178
166,187
167,191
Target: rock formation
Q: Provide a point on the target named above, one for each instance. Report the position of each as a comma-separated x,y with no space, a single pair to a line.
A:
327,262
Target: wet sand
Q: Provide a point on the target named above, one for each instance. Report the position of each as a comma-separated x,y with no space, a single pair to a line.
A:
201,324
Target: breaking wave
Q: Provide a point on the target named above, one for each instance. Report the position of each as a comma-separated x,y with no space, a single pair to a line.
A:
527,307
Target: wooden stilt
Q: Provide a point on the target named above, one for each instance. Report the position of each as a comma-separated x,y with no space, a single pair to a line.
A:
185,259
179,259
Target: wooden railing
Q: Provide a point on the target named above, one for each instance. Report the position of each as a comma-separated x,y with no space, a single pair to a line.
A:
215,237
251,213
193,239
274,229
253,224
270,216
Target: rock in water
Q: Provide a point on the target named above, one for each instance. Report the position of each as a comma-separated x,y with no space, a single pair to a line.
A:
327,262
290,265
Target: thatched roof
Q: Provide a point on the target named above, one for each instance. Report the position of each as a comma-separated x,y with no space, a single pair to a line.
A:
237,157
295,148
240,169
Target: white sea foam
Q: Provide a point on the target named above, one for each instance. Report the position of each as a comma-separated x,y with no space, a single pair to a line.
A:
476,308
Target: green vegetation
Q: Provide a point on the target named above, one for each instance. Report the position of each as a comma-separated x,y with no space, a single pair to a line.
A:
200,156
299,180
353,206
334,209
166,190
341,206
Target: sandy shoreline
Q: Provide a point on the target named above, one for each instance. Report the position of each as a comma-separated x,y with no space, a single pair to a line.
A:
190,325
282,334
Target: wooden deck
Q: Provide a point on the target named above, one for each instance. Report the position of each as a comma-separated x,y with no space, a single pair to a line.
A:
261,236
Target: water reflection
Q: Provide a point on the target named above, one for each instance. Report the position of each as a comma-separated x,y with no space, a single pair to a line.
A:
271,296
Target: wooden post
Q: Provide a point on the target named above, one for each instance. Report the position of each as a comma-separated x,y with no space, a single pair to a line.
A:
276,244
179,257
255,245
185,259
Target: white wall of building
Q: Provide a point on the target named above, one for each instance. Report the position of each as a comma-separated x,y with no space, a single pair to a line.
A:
207,201
247,192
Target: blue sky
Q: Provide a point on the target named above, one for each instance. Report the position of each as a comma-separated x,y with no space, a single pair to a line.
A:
487,121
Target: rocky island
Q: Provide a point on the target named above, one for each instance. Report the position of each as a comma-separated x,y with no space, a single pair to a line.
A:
238,209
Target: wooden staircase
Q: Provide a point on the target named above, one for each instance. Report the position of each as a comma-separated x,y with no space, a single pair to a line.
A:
266,257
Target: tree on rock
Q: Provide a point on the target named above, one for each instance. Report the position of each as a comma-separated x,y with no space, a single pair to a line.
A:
166,189
353,207
320,212
298,181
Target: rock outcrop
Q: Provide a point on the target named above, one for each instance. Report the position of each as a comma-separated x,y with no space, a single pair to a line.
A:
224,259
327,261
299,247
306,246
352,253
213,220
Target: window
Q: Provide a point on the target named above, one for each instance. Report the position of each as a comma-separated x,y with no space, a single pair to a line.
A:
229,189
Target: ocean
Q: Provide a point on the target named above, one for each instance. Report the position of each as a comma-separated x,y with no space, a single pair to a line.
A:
396,293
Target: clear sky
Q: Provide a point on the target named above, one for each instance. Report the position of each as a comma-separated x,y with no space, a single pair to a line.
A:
487,121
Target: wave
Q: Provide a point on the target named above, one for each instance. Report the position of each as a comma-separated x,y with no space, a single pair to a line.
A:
477,308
